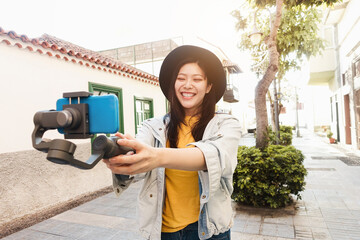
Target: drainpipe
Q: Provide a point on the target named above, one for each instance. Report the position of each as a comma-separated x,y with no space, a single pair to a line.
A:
338,78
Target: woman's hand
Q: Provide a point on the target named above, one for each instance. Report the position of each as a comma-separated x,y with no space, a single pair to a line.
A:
144,160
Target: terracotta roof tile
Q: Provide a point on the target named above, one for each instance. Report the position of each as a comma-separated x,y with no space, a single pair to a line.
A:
55,44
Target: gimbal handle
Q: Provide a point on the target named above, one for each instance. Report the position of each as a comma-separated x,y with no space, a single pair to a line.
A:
62,151
102,147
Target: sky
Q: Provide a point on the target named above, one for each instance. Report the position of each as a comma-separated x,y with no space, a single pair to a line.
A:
107,24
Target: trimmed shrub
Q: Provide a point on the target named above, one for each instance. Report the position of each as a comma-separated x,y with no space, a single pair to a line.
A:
269,177
285,136
286,129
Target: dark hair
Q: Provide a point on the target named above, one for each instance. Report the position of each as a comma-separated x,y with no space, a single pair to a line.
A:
177,113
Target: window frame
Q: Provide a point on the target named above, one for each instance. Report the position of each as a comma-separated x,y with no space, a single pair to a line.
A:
151,102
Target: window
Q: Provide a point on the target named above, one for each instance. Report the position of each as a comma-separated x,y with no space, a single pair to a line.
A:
356,68
143,110
99,90
329,37
331,109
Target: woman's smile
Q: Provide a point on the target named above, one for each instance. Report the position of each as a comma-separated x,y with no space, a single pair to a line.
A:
187,95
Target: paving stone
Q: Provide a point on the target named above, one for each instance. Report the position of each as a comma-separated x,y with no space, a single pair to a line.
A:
286,231
269,229
338,234
29,234
252,227
321,233
277,230
303,232
18,235
302,221
287,220
247,236
97,220
313,212
239,225
97,233
52,226
126,235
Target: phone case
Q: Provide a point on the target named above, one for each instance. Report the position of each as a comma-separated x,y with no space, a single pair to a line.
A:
103,112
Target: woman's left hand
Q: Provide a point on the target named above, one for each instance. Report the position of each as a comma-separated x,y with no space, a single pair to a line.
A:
143,160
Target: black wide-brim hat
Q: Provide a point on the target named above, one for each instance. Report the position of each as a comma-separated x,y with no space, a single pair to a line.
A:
213,68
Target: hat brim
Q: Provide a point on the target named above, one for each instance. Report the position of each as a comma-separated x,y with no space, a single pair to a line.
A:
214,70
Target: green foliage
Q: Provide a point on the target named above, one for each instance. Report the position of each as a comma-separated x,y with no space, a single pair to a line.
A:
329,134
285,135
269,177
292,3
297,37
286,129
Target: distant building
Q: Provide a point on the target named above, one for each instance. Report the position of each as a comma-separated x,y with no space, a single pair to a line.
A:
149,57
337,73
146,56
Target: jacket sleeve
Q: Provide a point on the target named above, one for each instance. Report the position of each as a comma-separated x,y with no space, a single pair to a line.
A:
220,152
122,182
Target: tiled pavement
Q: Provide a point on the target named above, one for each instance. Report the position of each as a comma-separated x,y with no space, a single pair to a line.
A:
329,209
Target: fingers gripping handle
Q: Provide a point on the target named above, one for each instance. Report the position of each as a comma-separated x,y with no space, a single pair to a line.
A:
109,146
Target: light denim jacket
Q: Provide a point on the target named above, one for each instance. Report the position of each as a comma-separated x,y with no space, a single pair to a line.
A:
219,146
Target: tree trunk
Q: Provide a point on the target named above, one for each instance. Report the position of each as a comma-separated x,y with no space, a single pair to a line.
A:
263,85
272,111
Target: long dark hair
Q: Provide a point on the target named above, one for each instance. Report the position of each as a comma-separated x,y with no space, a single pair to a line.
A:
177,113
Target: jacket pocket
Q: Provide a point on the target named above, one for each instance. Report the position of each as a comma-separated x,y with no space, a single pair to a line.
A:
147,207
226,187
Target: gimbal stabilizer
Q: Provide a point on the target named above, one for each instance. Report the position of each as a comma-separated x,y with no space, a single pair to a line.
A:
73,120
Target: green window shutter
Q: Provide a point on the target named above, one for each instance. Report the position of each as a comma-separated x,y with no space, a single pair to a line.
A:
143,109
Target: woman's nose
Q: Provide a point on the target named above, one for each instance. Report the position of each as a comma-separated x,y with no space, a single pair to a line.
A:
188,83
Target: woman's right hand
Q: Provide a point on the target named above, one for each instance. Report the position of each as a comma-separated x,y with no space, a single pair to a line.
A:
145,159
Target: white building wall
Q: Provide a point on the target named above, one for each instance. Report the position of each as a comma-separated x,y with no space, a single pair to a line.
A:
347,45
32,82
348,37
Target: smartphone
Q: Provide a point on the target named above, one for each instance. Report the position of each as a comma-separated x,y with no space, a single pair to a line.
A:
103,112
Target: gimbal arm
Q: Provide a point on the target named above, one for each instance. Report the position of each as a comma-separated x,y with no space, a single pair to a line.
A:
62,151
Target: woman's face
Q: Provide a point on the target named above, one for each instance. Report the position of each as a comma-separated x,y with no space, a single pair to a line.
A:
191,85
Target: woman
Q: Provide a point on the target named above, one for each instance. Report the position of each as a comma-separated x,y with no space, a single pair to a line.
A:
187,157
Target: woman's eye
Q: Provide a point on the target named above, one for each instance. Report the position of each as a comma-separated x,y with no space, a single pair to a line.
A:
198,79
180,79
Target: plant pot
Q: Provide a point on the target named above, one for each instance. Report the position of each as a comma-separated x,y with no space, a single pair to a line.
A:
332,140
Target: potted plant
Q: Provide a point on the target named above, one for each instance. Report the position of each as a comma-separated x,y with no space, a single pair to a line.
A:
329,135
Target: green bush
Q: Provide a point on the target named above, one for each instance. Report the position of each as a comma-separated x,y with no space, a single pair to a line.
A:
285,136
286,129
268,177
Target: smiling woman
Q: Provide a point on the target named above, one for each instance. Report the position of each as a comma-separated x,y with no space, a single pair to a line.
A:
187,157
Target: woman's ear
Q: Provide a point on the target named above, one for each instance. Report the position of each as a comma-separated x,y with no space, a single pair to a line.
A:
208,88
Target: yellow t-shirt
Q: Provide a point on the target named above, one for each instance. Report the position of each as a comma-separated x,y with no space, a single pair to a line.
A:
182,204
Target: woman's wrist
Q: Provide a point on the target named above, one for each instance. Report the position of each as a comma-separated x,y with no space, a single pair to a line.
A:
159,156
